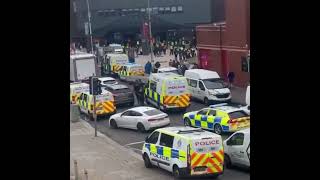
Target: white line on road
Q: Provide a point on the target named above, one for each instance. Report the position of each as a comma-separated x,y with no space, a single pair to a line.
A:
134,143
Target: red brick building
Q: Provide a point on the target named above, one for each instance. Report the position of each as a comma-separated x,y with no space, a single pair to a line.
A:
224,47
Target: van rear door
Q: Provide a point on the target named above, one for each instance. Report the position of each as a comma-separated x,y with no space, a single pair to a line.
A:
207,155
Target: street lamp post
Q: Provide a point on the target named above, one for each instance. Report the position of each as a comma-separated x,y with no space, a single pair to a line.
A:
150,33
89,22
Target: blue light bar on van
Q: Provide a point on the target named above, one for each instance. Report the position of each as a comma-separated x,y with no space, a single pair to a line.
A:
218,105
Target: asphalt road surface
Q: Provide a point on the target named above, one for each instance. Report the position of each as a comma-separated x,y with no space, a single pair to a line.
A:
134,140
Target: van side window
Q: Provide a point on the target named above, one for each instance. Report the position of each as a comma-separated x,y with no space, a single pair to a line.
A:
212,112
192,83
153,86
201,86
237,139
203,112
166,140
153,138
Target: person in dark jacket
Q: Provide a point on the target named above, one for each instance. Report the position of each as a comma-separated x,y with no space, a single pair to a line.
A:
147,68
156,67
231,77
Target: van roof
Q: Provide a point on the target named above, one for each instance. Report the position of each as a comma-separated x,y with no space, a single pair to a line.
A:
81,56
132,65
78,84
117,86
201,74
167,69
166,75
245,131
188,132
116,55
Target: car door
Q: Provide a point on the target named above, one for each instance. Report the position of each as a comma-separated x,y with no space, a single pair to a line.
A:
192,87
151,143
124,118
134,119
211,118
201,90
164,151
201,118
236,148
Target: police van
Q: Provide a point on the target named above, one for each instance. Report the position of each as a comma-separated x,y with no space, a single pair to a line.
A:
104,104
167,91
76,89
113,62
184,151
130,69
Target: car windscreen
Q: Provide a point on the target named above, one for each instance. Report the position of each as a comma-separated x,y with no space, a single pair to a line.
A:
122,90
214,83
153,112
109,82
237,114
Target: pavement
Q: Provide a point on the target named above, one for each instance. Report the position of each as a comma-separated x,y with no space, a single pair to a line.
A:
103,158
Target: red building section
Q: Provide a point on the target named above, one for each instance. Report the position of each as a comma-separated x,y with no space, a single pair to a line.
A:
222,47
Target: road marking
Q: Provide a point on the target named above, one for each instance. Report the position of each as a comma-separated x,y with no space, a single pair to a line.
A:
134,143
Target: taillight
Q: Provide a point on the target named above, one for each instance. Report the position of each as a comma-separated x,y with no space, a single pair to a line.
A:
231,121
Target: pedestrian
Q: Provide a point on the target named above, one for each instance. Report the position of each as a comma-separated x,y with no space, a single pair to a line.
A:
147,68
141,94
156,67
231,77
171,50
176,54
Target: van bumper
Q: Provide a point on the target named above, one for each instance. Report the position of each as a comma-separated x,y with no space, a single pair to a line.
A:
186,173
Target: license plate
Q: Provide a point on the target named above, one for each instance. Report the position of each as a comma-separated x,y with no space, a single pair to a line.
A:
201,168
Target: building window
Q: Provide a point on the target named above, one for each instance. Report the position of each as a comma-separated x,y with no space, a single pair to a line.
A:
142,10
173,9
180,9
245,64
155,10
167,9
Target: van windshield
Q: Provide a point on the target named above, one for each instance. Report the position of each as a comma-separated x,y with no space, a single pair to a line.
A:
214,83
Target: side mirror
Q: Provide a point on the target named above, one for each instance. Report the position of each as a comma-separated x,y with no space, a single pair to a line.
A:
202,89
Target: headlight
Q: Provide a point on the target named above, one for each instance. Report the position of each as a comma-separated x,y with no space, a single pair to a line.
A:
212,93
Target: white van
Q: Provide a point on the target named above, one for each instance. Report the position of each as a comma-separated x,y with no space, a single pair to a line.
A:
246,108
207,86
237,149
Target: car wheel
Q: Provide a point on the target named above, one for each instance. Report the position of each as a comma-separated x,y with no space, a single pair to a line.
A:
113,124
176,172
206,101
217,129
187,122
141,127
227,161
146,160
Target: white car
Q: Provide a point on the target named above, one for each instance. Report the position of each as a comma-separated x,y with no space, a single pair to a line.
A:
237,149
142,118
107,81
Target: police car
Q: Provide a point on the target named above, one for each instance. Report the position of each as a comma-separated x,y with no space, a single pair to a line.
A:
141,118
184,151
219,118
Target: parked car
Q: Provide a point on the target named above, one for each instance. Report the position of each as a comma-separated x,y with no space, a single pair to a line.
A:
122,94
141,118
107,81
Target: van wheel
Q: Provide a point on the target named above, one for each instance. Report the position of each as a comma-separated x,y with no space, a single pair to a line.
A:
227,161
113,124
187,122
176,172
141,127
206,101
146,160
217,129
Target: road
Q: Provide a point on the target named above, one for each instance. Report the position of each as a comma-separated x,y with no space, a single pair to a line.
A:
134,140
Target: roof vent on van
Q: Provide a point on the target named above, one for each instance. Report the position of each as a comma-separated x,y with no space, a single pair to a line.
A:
218,105
190,131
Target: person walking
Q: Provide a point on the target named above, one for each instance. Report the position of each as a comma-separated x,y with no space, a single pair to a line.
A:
231,77
147,68
171,50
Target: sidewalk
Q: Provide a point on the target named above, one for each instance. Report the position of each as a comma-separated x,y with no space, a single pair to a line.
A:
105,159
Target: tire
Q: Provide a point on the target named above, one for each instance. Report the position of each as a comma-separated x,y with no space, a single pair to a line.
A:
217,129
141,127
227,161
113,124
176,172
187,122
146,160
206,101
